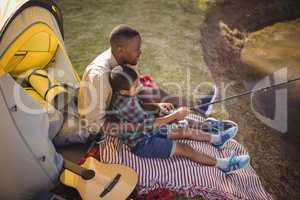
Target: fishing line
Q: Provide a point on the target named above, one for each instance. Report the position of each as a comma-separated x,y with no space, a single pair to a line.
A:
249,92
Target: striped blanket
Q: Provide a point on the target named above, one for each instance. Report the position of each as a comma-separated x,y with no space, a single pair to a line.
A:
187,177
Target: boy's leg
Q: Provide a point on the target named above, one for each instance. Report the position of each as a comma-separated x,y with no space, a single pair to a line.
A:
194,134
162,147
226,165
191,134
199,157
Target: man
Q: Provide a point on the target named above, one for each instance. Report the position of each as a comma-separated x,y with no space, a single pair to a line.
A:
95,90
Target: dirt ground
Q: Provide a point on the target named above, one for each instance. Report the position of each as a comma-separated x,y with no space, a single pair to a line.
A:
274,157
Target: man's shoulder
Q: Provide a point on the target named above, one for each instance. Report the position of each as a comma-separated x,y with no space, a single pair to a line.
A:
101,61
98,66
104,56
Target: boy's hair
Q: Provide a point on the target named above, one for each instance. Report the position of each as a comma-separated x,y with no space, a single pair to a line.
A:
122,78
120,34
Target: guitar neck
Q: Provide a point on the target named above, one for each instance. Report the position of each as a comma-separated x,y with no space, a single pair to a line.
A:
86,174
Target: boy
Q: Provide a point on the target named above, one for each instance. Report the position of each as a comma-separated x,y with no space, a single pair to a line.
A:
154,137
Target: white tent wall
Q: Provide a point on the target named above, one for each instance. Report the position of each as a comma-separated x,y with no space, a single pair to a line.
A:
7,7
29,160
61,69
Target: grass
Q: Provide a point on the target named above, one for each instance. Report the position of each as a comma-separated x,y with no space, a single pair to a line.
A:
170,30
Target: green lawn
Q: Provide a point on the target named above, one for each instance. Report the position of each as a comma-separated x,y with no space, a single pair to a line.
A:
170,31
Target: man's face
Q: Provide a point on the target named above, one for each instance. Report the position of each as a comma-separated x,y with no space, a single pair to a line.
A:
132,51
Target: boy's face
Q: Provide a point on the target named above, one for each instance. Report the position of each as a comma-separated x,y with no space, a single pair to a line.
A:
133,89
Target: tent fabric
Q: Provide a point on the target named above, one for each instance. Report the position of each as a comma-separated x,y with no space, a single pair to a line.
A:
34,48
26,150
30,163
28,17
74,129
56,118
2,72
11,8
7,9
61,69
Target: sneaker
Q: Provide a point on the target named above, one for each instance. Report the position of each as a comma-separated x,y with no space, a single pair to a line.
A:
225,136
206,109
236,163
215,126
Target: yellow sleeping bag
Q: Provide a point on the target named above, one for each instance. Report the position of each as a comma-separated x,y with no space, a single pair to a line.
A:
37,97
48,88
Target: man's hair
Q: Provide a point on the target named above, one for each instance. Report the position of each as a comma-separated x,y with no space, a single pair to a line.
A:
122,78
121,34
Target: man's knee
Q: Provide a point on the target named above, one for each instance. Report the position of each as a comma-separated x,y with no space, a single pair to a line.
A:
151,94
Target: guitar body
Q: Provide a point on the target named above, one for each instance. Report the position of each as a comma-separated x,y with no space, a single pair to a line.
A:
111,181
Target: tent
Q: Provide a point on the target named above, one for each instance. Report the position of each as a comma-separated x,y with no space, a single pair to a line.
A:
31,38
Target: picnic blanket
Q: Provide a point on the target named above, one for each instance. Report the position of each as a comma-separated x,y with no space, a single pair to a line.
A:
187,177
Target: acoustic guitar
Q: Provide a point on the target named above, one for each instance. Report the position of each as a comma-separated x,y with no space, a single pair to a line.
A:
95,180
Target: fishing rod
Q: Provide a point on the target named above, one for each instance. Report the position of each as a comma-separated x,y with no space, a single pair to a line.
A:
249,92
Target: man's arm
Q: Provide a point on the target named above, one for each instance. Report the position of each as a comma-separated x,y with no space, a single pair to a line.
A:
94,97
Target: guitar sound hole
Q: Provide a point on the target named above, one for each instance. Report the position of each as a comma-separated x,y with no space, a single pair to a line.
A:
88,174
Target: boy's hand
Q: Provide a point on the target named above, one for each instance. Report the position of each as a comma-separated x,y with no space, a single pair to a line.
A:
181,113
178,114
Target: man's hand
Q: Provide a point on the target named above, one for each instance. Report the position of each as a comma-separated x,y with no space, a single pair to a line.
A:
181,113
166,108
